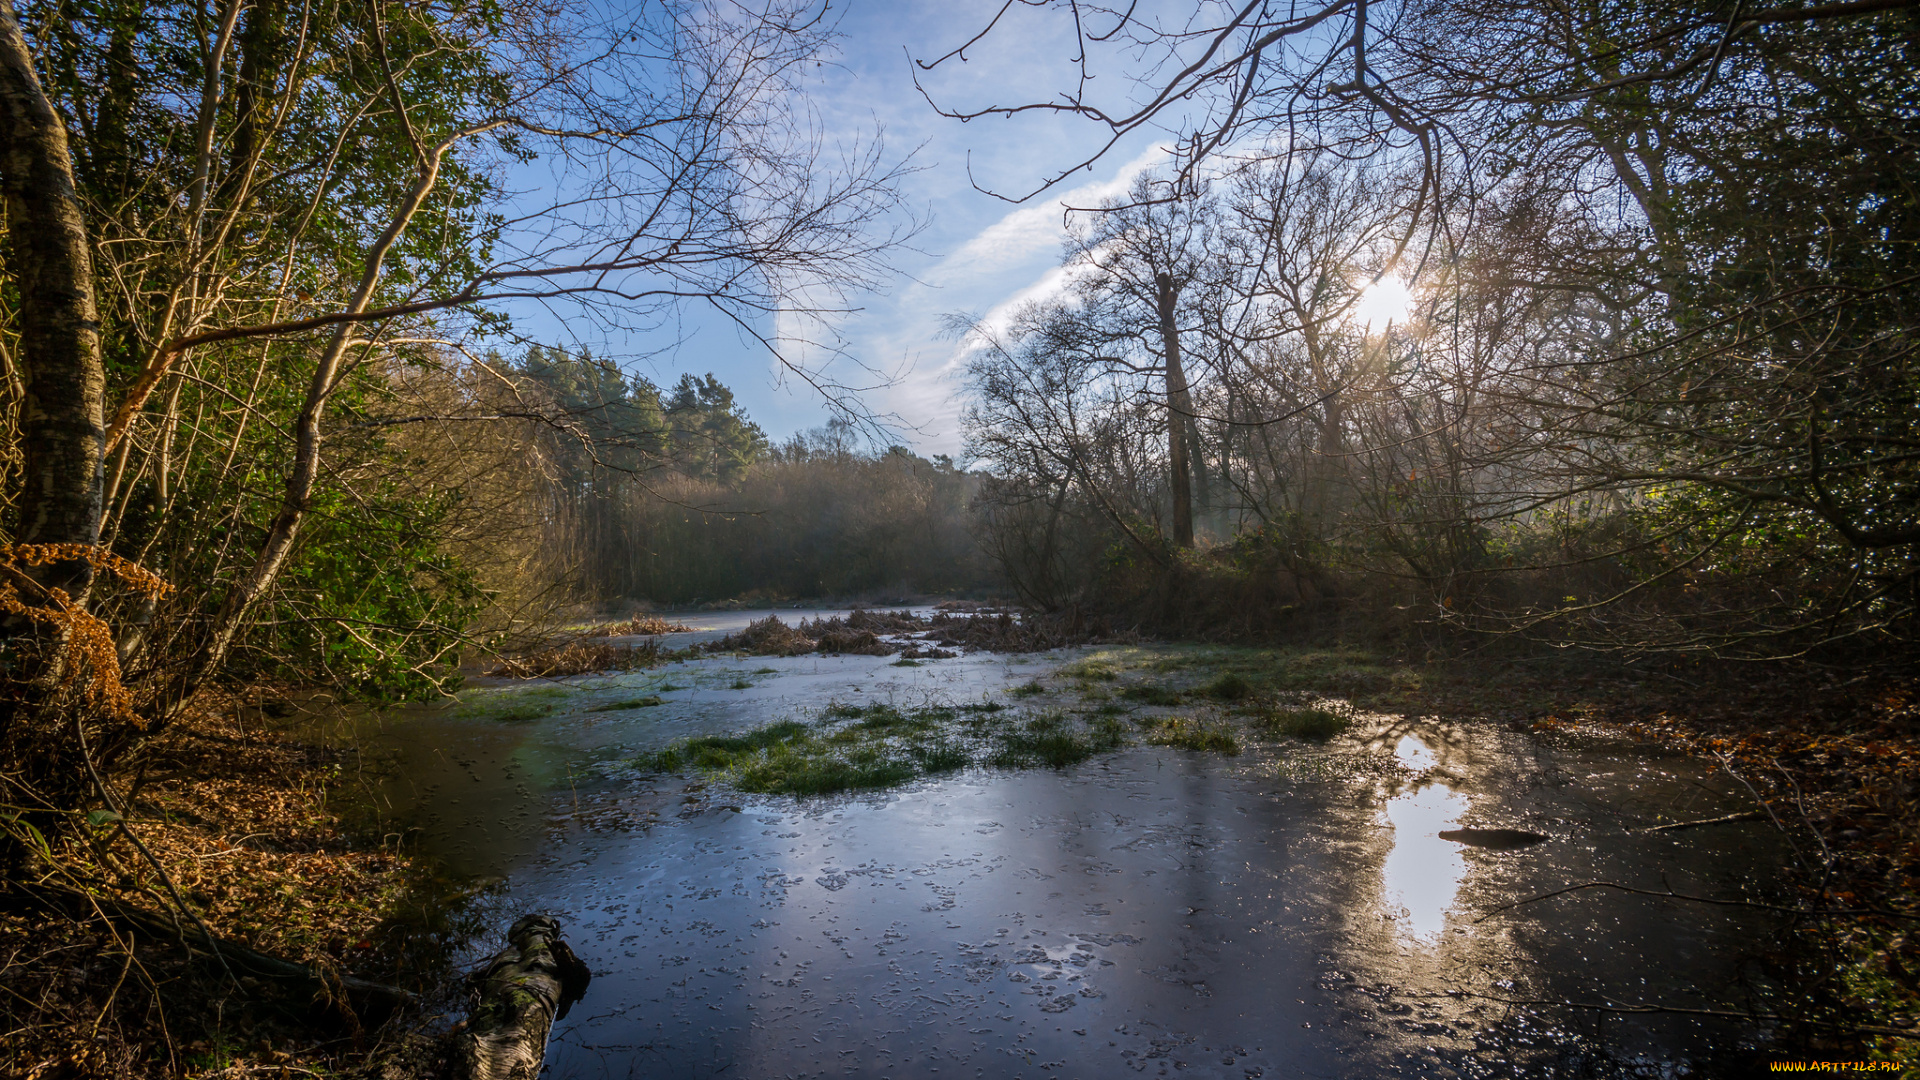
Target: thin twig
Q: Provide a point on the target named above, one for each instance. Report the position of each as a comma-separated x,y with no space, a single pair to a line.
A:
106,793
1671,895
1725,1014
1744,815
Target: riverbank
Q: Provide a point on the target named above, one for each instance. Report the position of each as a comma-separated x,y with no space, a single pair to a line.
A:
240,819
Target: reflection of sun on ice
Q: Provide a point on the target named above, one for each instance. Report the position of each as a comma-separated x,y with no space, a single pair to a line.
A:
1385,301
1422,872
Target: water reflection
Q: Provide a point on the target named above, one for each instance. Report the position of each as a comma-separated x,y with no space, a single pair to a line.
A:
1414,753
1421,874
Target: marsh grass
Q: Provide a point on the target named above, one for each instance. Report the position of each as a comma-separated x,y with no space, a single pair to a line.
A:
1048,739
1231,686
851,746
1092,669
1030,688
1152,694
1318,725
1189,733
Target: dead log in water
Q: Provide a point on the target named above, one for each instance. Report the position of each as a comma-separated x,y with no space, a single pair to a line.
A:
518,996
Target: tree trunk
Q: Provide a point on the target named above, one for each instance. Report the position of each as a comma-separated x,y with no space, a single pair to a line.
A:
522,992
1179,414
62,420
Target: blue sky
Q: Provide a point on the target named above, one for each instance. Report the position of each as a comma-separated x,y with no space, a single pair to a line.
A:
978,255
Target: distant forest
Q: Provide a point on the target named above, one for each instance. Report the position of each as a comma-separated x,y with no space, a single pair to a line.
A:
676,497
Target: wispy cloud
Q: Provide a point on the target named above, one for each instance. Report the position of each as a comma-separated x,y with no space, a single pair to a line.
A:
1010,262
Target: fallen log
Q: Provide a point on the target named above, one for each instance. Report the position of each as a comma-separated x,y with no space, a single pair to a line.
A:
1494,839
517,997
237,958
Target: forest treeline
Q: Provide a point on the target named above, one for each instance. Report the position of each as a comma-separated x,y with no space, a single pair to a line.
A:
1591,324
633,494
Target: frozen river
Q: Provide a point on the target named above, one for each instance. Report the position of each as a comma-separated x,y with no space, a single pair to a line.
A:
1288,912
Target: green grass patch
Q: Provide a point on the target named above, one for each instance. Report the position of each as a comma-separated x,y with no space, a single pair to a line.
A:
1152,694
1047,740
630,703
1030,688
941,756
1188,733
792,771
740,684
766,671
1316,724
1231,686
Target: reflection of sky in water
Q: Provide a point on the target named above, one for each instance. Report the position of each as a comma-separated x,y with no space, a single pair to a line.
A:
1422,872
1414,754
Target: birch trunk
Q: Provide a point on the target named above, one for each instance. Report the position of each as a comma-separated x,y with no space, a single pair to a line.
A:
522,992
1179,413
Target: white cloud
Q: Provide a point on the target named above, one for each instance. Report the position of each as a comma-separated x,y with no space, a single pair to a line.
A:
1012,261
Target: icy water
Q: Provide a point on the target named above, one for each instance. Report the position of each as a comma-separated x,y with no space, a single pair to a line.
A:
1291,912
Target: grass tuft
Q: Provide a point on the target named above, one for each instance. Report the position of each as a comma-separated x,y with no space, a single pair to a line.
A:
1188,733
1092,670
1230,687
1316,724
1030,688
1150,694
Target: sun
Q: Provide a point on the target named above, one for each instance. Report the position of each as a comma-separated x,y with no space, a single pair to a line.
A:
1386,301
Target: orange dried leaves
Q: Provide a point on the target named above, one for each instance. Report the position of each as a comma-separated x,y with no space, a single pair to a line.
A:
92,664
